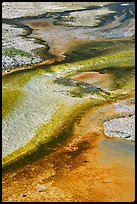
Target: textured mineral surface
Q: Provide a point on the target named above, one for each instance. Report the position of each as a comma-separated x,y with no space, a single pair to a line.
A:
68,101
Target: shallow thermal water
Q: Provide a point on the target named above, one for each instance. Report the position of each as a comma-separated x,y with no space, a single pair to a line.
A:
68,102
112,149
104,44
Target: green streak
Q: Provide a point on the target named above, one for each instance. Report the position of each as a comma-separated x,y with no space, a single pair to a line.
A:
119,59
59,128
12,52
49,136
92,49
12,92
9,99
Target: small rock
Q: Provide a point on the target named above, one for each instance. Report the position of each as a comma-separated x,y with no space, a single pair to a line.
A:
41,187
10,199
24,195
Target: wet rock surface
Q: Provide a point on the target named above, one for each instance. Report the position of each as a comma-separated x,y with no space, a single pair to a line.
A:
121,127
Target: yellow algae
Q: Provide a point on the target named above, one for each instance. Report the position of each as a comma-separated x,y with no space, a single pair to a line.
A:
9,98
59,122
49,135
60,126
17,79
11,90
55,132
120,59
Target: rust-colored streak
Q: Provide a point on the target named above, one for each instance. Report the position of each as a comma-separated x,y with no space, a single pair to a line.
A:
47,62
80,171
77,174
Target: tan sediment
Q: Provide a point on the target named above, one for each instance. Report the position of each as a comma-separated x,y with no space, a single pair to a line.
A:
39,24
95,78
59,38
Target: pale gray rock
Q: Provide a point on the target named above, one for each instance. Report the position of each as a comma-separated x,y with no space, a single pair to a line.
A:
123,127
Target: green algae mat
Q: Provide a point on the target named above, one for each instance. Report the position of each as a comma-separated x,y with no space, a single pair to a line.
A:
41,106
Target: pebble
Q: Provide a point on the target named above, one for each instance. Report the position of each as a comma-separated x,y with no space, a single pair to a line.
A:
10,199
24,195
41,187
